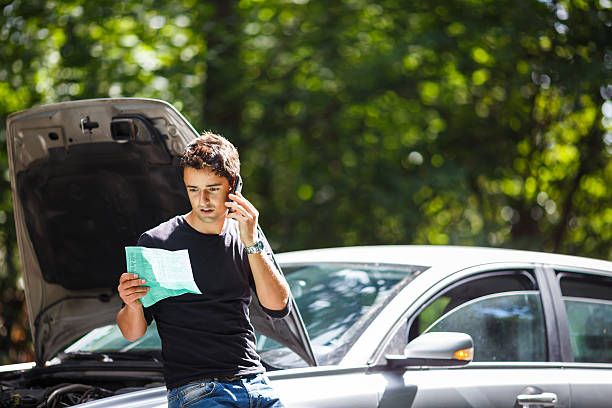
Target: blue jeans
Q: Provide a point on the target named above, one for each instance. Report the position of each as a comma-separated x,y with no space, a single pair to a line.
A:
248,392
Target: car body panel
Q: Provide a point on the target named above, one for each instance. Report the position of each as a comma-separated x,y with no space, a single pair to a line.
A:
442,257
485,386
17,367
321,387
28,141
332,387
149,398
590,385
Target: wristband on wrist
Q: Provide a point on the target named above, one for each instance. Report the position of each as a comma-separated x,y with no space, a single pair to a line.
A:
255,248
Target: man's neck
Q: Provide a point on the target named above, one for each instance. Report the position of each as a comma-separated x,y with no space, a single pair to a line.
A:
204,227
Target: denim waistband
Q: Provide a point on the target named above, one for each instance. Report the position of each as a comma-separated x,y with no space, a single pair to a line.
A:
227,379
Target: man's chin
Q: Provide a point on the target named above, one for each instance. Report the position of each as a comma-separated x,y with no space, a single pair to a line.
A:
206,218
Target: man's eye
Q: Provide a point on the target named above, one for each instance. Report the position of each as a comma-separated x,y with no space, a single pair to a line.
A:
213,189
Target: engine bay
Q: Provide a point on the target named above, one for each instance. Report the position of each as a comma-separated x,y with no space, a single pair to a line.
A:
54,387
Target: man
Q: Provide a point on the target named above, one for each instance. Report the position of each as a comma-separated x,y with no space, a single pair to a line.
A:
208,343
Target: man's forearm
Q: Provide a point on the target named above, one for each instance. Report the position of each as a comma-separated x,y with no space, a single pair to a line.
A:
131,322
272,288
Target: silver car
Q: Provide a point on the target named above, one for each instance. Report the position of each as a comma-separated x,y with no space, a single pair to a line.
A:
378,326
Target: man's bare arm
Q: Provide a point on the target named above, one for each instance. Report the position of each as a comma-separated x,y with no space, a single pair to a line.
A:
130,319
272,288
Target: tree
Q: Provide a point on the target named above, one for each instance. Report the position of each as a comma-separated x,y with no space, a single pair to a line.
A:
358,122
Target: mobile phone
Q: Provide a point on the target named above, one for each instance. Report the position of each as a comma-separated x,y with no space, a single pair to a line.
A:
236,188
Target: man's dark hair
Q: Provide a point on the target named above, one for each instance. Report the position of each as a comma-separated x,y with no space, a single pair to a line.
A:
212,151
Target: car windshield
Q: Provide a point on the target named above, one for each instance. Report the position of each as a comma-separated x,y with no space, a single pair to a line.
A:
336,302
109,338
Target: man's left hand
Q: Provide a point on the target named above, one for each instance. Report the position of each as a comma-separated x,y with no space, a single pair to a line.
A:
247,216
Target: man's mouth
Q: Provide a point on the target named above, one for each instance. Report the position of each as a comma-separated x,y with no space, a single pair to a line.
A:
206,210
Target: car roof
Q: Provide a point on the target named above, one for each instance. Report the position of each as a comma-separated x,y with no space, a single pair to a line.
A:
436,256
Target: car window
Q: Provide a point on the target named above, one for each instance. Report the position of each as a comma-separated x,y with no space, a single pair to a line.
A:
501,310
466,290
336,302
588,303
504,326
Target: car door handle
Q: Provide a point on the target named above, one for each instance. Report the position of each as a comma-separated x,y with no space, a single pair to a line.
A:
545,399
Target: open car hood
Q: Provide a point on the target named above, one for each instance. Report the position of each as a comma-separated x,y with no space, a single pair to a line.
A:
88,177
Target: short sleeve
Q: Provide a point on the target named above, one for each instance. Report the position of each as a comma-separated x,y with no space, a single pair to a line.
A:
277,314
148,314
146,241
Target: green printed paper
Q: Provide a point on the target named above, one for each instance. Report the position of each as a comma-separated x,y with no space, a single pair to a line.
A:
168,273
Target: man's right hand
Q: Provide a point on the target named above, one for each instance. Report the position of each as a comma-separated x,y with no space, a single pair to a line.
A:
130,289
131,318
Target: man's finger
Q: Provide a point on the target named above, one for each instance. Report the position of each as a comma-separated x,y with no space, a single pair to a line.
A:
238,209
134,297
246,204
136,289
127,276
240,217
235,216
138,293
131,283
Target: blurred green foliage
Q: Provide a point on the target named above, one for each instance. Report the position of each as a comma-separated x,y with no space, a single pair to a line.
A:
358,122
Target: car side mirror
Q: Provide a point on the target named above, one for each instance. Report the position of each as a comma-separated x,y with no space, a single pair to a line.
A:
437,349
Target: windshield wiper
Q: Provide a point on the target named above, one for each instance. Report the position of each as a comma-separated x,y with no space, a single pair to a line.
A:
111,356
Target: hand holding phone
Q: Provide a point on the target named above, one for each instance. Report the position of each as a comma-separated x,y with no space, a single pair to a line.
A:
247,215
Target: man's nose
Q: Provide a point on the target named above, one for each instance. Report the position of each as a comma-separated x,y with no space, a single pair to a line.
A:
204,197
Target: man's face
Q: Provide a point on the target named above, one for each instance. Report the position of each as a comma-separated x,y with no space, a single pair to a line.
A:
207,194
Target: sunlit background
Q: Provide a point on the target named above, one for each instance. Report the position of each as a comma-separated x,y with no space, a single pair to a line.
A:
358,121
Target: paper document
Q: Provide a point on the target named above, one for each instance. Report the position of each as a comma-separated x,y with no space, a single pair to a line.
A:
168,273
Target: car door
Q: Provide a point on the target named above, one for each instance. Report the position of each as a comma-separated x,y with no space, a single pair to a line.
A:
584,303
509,315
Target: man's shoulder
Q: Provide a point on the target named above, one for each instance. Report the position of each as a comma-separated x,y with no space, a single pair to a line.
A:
161,232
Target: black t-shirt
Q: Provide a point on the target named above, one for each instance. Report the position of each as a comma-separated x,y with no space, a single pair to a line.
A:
207,335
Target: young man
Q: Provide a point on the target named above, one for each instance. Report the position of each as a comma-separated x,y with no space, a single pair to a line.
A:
208,343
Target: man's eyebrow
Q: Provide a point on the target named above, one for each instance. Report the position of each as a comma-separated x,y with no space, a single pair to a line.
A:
208,185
